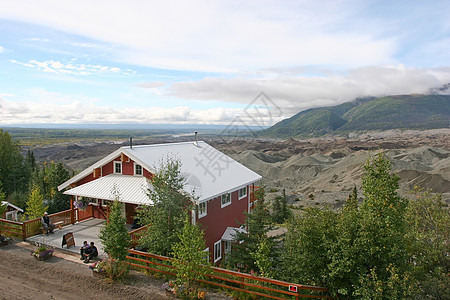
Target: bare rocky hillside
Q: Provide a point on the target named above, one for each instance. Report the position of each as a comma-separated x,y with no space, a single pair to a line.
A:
313,171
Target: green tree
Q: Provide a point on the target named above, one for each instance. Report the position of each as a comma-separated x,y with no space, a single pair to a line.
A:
248,246
169,210
14,173
190,260
3,207
306,246
114,235
48,178
35,204
428,236
280,209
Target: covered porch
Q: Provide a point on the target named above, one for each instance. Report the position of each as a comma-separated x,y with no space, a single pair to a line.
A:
86,230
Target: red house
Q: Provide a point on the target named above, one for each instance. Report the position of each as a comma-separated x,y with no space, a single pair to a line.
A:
223,188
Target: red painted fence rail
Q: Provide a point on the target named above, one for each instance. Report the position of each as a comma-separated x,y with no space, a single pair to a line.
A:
232,280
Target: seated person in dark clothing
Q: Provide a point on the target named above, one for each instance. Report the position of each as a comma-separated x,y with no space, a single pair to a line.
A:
47,224
90,252
135,224
83,249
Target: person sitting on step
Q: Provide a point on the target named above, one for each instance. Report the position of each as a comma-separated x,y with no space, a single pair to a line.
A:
90,252
83,249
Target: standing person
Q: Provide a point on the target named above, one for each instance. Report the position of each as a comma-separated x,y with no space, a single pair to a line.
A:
83,249
47,224
90,252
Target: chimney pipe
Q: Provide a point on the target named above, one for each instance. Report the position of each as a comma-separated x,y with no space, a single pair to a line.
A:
131,142
196,141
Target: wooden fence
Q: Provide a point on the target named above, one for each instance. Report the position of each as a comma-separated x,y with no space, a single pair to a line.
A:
232,280
32,227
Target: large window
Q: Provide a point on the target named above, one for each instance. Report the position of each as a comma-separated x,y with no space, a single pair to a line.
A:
137,169
202,210
217,251
117,167
243,192
225,200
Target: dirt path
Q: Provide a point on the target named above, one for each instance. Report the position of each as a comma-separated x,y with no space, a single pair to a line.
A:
23,277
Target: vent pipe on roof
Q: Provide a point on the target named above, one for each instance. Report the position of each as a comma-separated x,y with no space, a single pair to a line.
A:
131,142
196,141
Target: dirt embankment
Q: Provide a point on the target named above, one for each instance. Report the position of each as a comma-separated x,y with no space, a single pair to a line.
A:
23,277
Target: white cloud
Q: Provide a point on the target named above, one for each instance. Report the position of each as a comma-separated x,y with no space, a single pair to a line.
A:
44,109
295,93
219,35
2,49
70,68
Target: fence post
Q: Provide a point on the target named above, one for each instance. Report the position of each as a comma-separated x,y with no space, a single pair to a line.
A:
24,230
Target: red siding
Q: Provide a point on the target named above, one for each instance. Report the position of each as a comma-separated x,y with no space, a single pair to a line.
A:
218,219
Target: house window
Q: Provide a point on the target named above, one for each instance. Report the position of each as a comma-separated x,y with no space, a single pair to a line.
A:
206,255
225,200
227,247
202,210
137,169
217,251
243,193
117,167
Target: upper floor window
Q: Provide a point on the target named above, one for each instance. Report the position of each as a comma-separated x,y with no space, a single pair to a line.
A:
117,167
137,169
225,200
243,192
202,210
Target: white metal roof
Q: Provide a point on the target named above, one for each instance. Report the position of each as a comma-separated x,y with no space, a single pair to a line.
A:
209,173
131,189
12,205
230,232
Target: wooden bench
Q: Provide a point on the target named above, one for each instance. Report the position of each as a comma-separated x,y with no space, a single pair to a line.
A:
59,224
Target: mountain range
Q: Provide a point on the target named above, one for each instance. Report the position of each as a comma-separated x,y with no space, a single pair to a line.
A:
367,114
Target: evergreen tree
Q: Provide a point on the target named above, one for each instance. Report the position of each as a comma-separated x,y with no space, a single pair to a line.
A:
48,178
247,247
190,259
14,173
3,207
114,235
169,210
35,204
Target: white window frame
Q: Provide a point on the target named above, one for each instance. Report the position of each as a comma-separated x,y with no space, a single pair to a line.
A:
206,257
135,169
218,246
244,195
227,247
202,212
222,204
117,163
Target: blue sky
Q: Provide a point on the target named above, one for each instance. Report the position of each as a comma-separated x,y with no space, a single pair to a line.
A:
205,62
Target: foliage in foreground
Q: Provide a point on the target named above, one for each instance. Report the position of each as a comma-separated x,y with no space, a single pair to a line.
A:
384,248
190,260
114,235
170,209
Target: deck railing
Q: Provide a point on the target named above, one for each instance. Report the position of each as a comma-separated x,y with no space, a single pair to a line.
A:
136,234
32,227
232,280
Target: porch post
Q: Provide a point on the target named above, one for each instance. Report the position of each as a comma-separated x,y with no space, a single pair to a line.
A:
72,211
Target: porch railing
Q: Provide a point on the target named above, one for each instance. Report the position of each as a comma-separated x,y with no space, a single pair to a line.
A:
32,227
